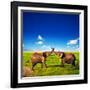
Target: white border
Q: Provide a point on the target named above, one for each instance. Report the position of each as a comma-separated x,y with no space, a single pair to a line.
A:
52,78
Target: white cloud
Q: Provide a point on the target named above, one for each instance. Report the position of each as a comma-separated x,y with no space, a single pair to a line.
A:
39,42
40,37
73,42
73,45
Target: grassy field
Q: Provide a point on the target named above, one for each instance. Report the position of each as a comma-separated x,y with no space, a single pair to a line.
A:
53,63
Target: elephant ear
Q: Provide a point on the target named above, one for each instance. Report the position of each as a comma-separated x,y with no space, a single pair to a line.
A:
62,55
44,54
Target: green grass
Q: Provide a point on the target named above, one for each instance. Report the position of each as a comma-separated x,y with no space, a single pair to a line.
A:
53,63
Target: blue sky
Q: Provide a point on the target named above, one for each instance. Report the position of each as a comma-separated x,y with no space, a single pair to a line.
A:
42,31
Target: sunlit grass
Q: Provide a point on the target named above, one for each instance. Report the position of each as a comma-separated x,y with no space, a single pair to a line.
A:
53,62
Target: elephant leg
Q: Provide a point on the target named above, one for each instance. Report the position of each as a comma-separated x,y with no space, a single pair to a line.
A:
42,65
33,65
73,63
62,62
45,64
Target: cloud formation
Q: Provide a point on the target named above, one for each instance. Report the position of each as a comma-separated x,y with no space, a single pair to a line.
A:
73,45
40,37
72,42
39,42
